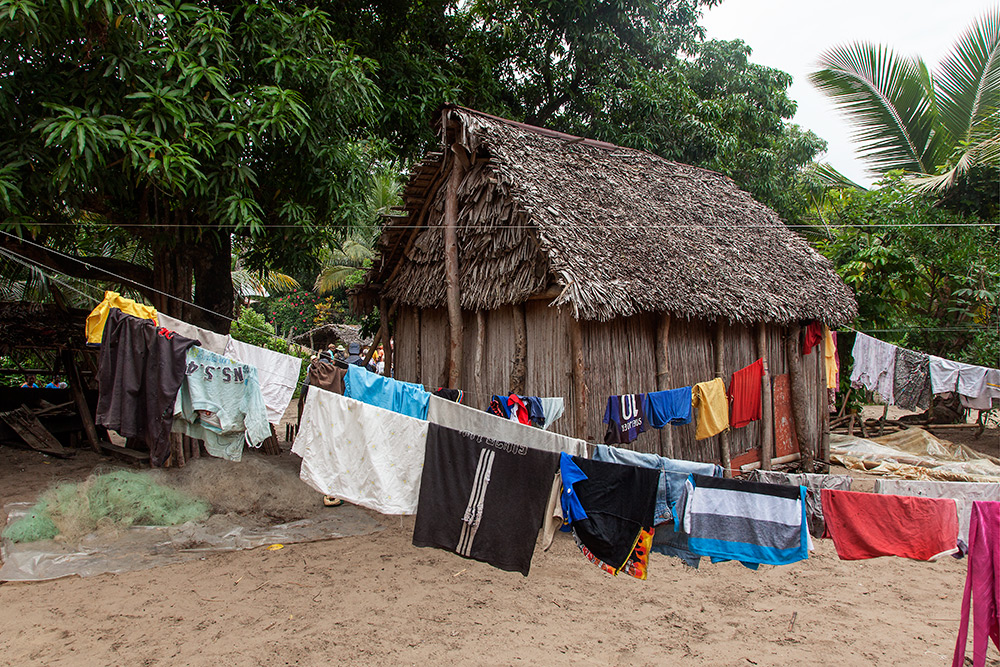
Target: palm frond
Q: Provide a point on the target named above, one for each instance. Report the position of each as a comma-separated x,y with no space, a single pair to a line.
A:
887,99
981,150
968,78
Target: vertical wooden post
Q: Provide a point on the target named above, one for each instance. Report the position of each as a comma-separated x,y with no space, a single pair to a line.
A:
766,408
663,381
75,381
823,453
419,379
720,350
479,400
519,370
579,381
797,392
452,286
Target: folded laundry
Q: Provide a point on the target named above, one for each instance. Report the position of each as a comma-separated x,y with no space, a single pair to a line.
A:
482,498
869,525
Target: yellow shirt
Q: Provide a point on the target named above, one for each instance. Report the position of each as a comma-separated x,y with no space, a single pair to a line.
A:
98,316
830,350
713,408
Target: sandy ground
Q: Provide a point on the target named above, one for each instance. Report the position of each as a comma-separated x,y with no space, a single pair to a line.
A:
377,600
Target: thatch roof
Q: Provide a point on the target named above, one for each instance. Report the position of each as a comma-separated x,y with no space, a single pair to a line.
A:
326,334
28,325
619,231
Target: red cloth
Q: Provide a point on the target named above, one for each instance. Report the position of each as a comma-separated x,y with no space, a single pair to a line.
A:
869,525
522,409
744,394
812,338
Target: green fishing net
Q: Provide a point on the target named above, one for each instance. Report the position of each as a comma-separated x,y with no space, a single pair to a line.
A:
112,500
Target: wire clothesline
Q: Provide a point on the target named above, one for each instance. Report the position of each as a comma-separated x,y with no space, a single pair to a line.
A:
580,225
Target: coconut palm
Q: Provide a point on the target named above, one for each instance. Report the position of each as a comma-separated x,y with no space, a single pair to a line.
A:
935,125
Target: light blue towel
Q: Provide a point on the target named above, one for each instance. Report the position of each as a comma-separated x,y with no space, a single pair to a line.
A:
406,398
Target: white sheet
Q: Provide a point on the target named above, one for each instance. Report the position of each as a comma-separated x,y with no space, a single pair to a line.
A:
363,454
278,374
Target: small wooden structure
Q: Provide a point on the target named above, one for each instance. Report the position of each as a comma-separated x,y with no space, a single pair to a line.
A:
524,260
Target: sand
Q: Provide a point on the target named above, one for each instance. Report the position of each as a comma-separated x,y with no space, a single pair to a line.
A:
377,600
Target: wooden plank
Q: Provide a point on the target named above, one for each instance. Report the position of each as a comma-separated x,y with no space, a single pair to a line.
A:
82,407
26,425
132,455
766,409
720,347
663,378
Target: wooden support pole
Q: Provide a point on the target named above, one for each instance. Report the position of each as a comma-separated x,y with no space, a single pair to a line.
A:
766,402
453,292
480,397
371,348
383,314
663,380
419,379
720,354
797,395
519,370
80,398
579,380
823,453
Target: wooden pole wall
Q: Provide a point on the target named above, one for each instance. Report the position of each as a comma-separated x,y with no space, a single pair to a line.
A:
797,391
519,370
579,381
766,407
383,314
823,453
720,342
663,378
479,400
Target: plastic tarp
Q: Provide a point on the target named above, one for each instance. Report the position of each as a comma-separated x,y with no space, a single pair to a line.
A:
143,547
914,454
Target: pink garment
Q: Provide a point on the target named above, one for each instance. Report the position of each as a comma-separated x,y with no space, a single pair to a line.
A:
982,585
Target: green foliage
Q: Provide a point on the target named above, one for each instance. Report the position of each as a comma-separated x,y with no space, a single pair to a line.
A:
930,273
938,125
291,313
117,499
253,328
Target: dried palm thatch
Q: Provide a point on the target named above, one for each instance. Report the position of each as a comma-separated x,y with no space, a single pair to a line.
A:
616,230
41,325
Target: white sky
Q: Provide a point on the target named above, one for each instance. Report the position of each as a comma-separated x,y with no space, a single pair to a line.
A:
790,35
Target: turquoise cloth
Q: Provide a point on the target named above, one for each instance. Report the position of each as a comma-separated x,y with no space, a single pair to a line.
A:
406,398
220,402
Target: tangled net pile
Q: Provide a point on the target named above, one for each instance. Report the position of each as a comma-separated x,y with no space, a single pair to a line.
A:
112,500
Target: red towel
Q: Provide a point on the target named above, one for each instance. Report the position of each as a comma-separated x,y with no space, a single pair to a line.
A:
744,394
812,336
869,525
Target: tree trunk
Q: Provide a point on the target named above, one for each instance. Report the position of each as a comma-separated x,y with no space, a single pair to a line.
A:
720,353
797,389
663,378
766,409
453,286
213,283
519,370
579,377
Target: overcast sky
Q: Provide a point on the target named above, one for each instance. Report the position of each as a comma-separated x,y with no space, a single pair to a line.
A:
790,35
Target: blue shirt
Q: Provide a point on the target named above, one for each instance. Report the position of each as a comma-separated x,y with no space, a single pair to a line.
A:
406,398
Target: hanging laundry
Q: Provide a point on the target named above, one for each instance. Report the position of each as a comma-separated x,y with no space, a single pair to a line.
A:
911,384
278,374
361,453
536,415
744,394
476,422
869,525
831,360
325,375
214,342
618,500
552,409
518,410
141,369
499,407
220,403
812,335
814,483
94,326
553,520
449,394
626,418
637,564
405,398
963,493
978,387
754,523
481,498
672,406
713,408
874,366
982,586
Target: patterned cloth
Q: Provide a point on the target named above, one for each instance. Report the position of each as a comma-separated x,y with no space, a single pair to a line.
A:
911,384
637,564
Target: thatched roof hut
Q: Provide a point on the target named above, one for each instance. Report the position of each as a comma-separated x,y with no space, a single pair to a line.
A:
331,333
585,235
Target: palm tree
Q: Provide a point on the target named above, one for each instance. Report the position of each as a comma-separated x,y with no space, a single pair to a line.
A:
935,125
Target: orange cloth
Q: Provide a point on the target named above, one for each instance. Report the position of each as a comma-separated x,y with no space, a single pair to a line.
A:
869,525
830,359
